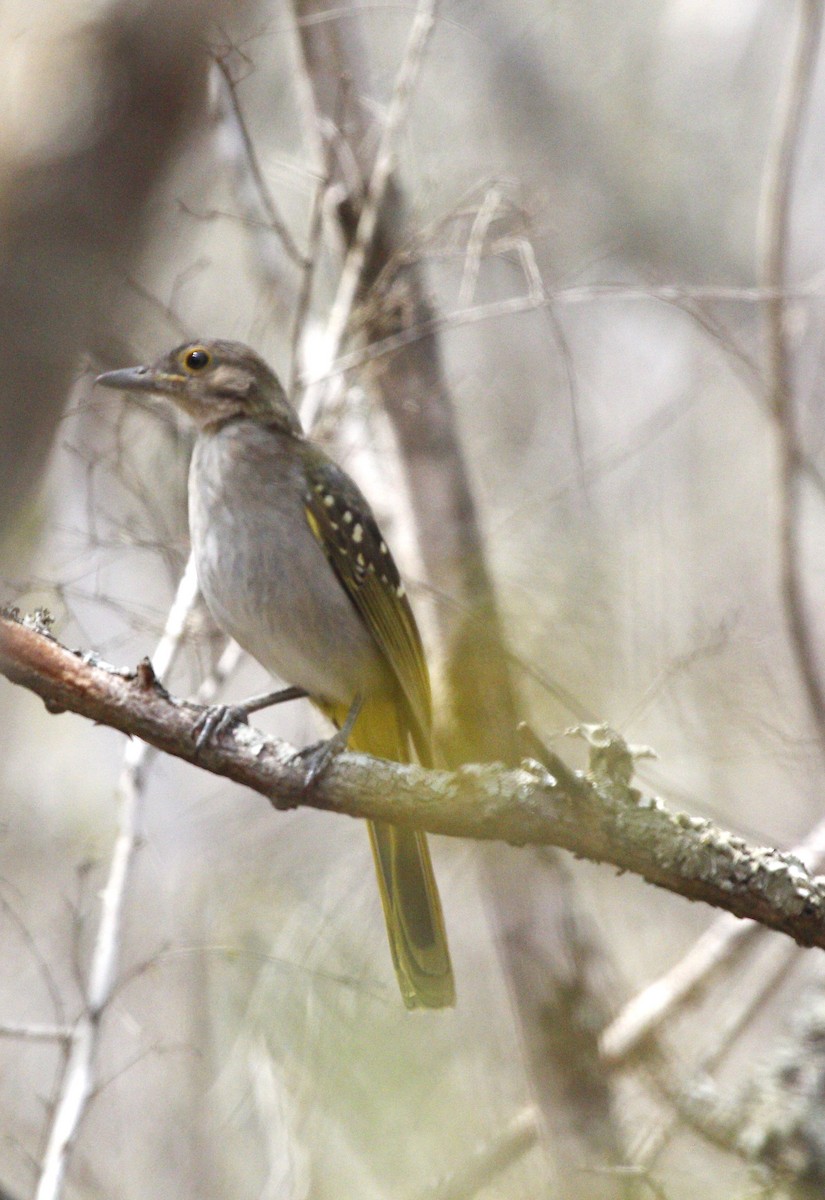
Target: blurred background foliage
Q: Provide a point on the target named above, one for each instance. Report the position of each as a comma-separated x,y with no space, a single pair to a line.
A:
604,163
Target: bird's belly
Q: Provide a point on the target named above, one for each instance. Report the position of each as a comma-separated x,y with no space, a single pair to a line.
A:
275,593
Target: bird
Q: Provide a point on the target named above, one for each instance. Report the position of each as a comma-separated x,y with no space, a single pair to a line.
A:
293,566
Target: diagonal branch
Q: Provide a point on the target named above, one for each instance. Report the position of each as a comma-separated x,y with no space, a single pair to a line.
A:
247,159
604,820
721,947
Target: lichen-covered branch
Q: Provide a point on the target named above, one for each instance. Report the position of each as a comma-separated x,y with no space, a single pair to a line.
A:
603,818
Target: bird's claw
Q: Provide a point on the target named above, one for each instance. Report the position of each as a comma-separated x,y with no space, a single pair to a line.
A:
317,758
217,719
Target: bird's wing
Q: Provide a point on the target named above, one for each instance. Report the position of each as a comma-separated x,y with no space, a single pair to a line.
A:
343,524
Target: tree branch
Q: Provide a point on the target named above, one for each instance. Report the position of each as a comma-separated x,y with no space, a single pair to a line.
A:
368,218
601,818
726,941
78,1081
720,948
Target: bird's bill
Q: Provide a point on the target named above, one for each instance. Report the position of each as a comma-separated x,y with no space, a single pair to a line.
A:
140,379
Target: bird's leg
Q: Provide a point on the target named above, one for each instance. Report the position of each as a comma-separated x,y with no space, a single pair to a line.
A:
318,756
220,718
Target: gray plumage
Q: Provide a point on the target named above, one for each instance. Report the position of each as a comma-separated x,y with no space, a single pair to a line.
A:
265,578
293,566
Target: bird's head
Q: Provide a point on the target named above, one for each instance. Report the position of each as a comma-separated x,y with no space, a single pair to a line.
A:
213,382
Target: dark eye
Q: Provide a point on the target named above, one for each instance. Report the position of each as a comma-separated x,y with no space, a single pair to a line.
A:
196,360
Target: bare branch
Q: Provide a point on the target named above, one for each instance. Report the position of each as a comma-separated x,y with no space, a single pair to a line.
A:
78,1082
246,158
720,946
605,820
354,264
779,180
475,245
649,1009
579,294
726,940
697,1101
29,1032
303,304
488,1161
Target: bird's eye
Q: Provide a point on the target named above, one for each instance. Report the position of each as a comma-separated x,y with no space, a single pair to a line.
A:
197,359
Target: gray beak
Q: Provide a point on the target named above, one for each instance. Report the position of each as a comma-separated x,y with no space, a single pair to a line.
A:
130,379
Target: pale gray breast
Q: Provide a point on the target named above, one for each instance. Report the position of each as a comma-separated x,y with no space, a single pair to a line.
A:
264,577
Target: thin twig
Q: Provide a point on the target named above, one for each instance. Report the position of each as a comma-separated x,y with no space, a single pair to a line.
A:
353,268
475,244
28,1032
776,208
489,1160
726,938
78,1080
237,124
166,310
580,294
320,139
302,306
42,965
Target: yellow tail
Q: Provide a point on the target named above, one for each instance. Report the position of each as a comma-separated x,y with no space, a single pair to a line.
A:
412,911
409,895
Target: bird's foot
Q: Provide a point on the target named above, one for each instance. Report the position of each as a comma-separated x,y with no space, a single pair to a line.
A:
220,718
217,719
318,757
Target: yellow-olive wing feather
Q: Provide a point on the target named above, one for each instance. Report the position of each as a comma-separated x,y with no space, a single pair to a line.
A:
342,522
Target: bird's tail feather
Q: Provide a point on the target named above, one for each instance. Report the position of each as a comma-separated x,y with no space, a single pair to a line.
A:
412,911
409,894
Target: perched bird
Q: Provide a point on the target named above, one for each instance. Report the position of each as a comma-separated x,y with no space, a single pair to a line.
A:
293,566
